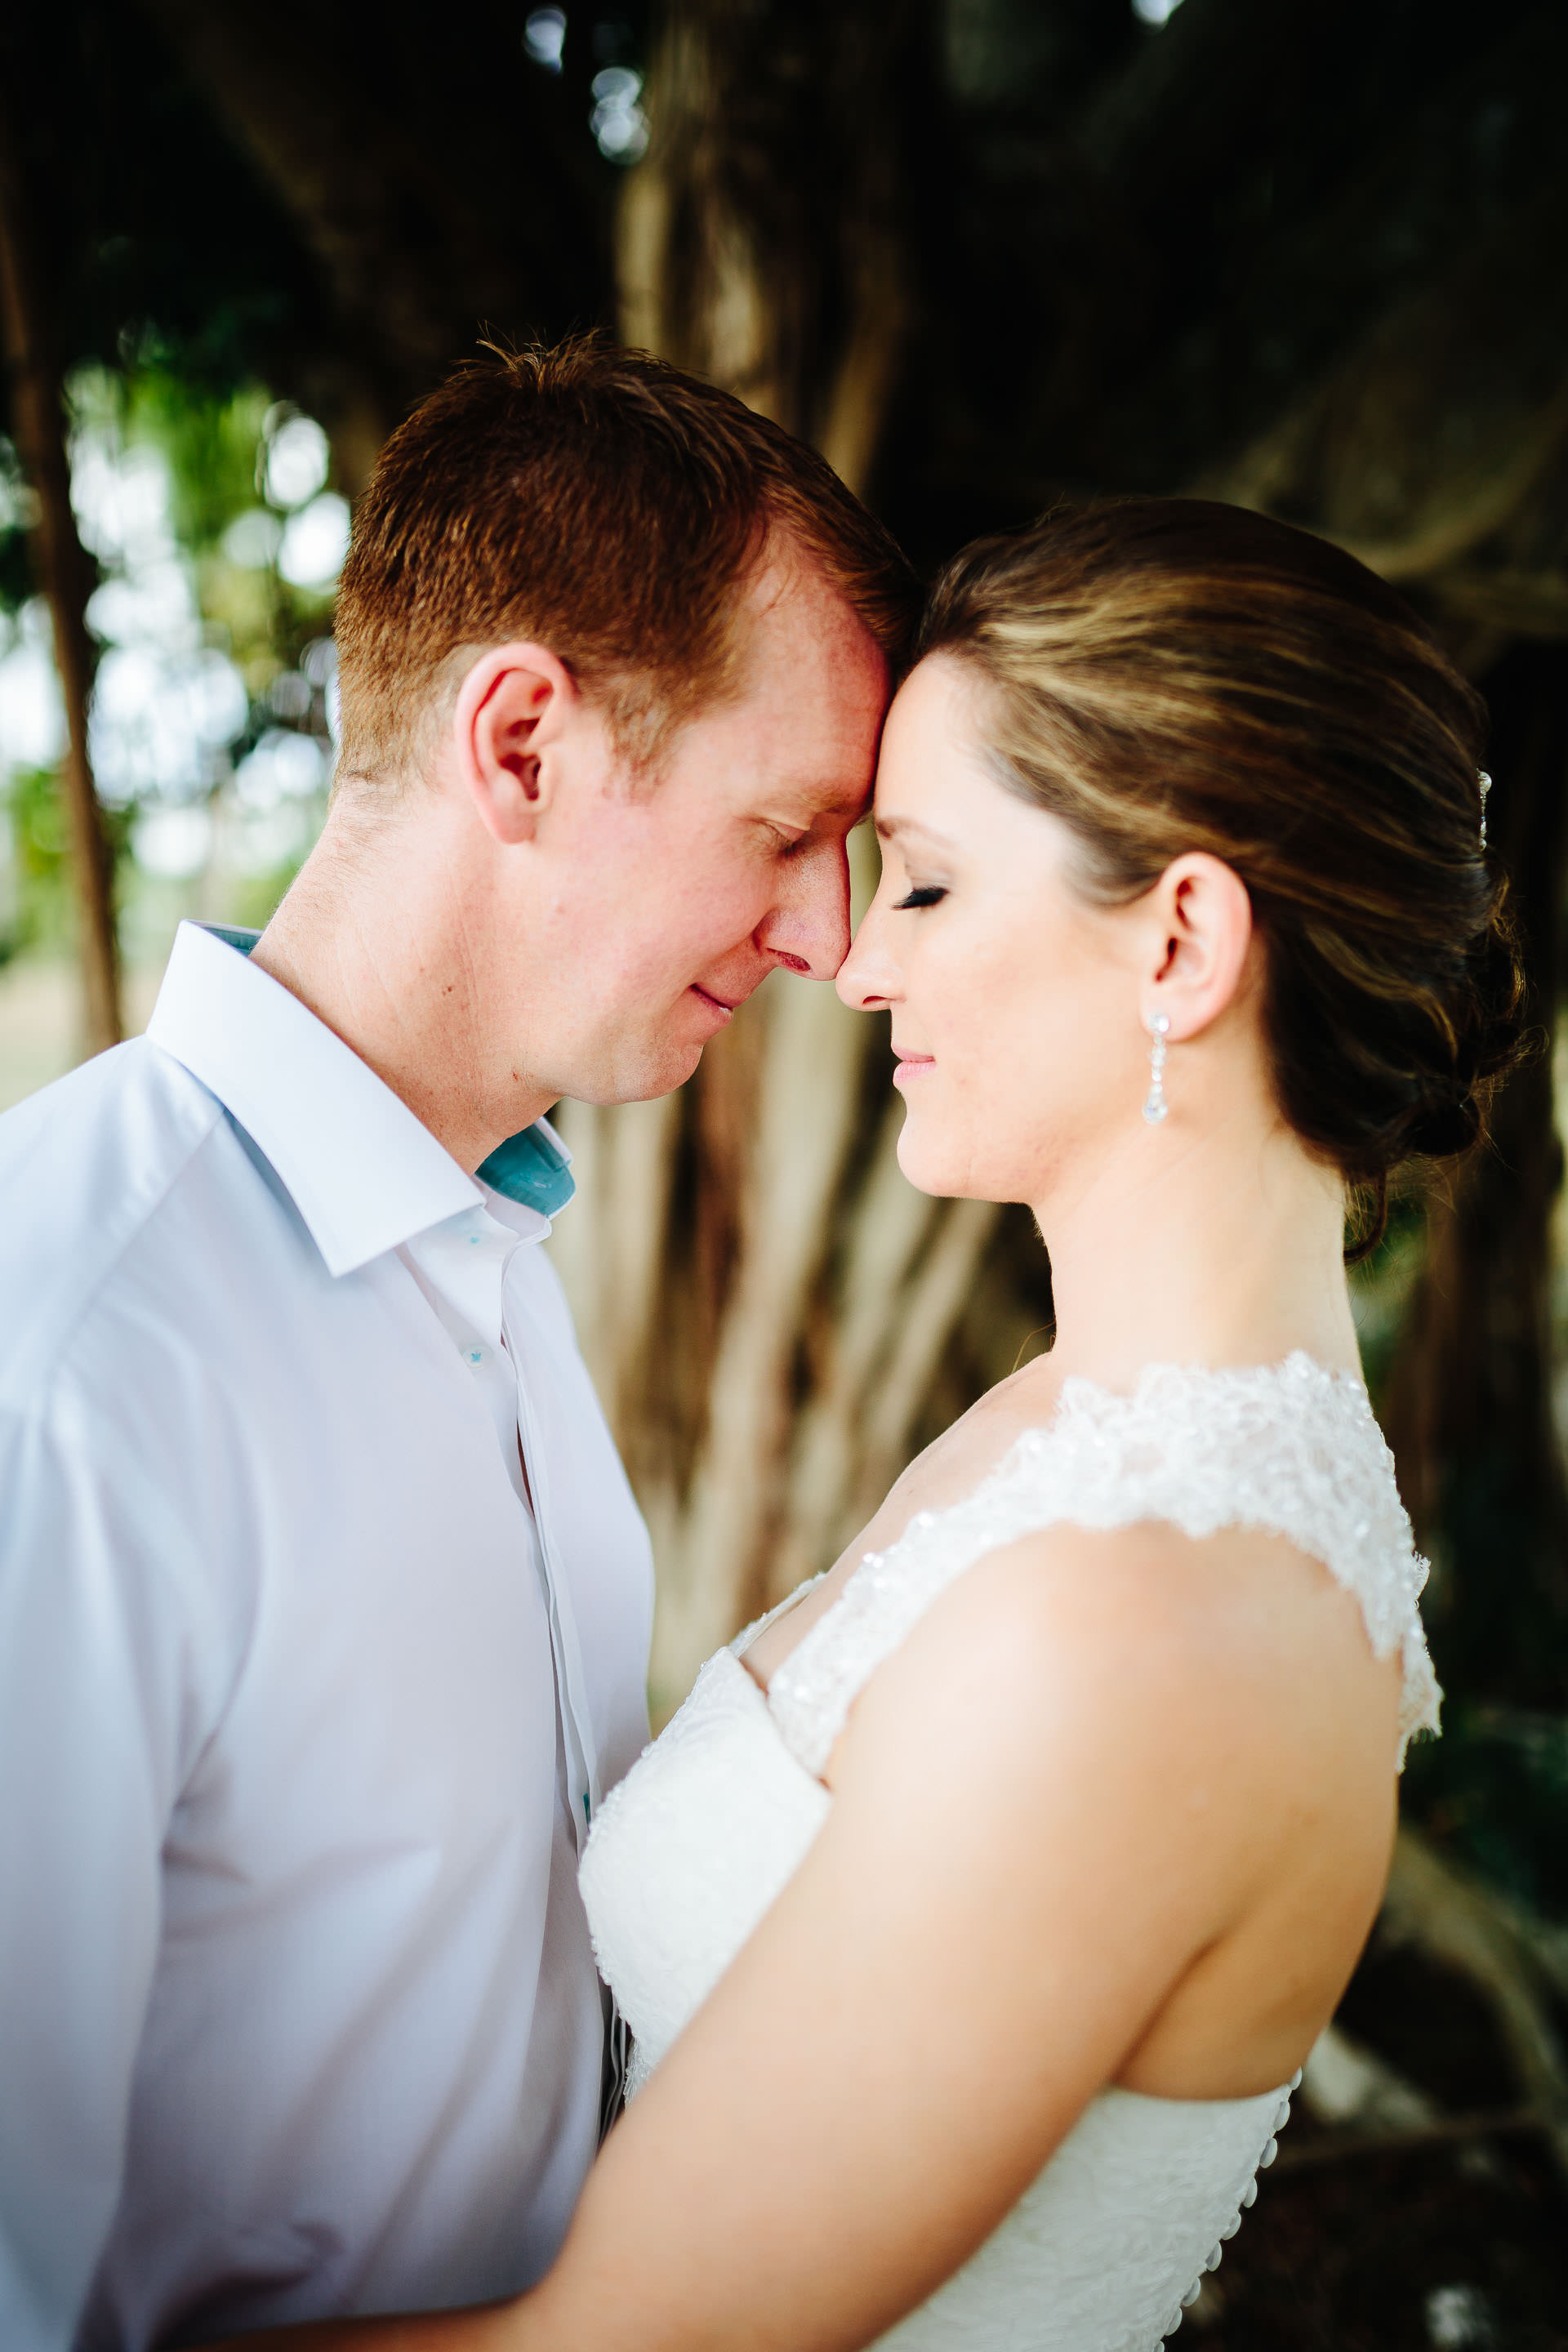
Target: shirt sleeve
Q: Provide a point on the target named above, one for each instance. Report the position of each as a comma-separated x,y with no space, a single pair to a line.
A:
95,1710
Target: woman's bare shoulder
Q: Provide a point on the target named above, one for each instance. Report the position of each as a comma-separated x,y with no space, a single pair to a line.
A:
951,1467
946,1472
1233,1647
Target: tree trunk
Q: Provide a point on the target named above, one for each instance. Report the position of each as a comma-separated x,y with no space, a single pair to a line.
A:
65,575
1470,1412
764,1300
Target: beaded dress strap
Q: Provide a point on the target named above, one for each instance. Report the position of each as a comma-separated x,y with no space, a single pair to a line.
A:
758,1625
1290,1448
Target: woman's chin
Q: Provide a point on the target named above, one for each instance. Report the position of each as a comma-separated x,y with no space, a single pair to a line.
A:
958,1166
931,1168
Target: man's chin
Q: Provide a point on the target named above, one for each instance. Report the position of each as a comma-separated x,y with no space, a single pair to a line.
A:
659,1073
674,1072
642,1069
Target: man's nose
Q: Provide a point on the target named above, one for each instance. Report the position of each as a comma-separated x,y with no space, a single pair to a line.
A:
809,926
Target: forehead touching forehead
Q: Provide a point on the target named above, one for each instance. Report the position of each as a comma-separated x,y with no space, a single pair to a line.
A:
798,722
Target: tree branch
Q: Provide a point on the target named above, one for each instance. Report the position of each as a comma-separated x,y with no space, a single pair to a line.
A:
65,575
1457,1922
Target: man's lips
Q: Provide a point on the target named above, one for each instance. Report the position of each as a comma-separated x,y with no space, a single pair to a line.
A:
912,1066
717,1003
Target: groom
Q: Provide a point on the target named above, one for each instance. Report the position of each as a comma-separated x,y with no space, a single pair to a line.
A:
323,1602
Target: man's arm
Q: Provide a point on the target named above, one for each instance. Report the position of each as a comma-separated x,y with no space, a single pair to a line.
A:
90,1707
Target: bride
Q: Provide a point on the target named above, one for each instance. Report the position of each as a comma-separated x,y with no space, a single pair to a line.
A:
974,1916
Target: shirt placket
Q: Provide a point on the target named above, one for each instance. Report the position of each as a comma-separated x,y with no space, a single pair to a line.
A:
464,1263
581,1752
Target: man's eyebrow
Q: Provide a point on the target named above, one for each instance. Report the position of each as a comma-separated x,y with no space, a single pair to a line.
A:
848,808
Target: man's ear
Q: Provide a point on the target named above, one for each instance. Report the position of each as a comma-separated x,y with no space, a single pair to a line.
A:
511,710
1204,917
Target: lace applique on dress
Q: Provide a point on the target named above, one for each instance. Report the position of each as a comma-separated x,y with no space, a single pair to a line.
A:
1289,1447
758,1625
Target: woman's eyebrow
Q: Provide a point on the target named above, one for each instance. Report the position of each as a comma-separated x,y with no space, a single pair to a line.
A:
889,828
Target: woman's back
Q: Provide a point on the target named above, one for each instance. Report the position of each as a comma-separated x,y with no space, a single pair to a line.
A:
1312,1763
1267,1476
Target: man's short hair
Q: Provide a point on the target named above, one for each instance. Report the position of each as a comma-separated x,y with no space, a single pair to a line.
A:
602,504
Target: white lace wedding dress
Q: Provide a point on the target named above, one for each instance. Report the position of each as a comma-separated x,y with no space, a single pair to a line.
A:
687,1853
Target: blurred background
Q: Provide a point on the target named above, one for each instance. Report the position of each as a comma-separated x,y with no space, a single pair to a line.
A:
1313,258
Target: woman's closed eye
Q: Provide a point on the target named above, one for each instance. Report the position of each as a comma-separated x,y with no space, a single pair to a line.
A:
928,896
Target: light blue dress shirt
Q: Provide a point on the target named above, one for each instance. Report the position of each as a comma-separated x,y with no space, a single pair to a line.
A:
303,1709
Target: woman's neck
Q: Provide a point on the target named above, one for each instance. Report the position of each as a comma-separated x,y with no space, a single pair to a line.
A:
1228,1250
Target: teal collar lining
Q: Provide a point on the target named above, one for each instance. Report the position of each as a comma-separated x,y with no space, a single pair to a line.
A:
534,1168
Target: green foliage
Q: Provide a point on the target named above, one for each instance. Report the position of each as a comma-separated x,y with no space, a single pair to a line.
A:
1380,1285
15,504
1494,1789
42,913
212,445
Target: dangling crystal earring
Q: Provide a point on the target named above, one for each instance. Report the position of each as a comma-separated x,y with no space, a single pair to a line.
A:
1154,1104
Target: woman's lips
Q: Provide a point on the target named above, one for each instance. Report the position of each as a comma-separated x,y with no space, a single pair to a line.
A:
911,1067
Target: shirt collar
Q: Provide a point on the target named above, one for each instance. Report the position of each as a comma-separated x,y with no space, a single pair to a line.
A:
364,1174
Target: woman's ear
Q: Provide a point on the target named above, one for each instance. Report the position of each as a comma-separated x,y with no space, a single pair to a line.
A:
510,712
1205,918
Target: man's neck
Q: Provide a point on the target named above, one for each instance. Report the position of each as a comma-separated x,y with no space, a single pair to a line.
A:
377,937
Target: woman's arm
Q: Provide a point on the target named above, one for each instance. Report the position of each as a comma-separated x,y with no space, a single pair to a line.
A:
1055,1797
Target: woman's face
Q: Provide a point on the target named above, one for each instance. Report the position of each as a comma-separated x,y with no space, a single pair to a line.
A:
1017,1004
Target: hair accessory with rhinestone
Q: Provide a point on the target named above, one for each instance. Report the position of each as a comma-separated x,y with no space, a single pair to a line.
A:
1485,782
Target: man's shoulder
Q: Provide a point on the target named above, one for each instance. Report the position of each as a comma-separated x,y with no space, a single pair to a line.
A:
85,1166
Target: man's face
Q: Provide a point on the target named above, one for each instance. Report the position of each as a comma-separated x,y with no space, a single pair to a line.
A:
655,905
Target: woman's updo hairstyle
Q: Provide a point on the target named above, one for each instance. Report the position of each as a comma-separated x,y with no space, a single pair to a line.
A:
1167,675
